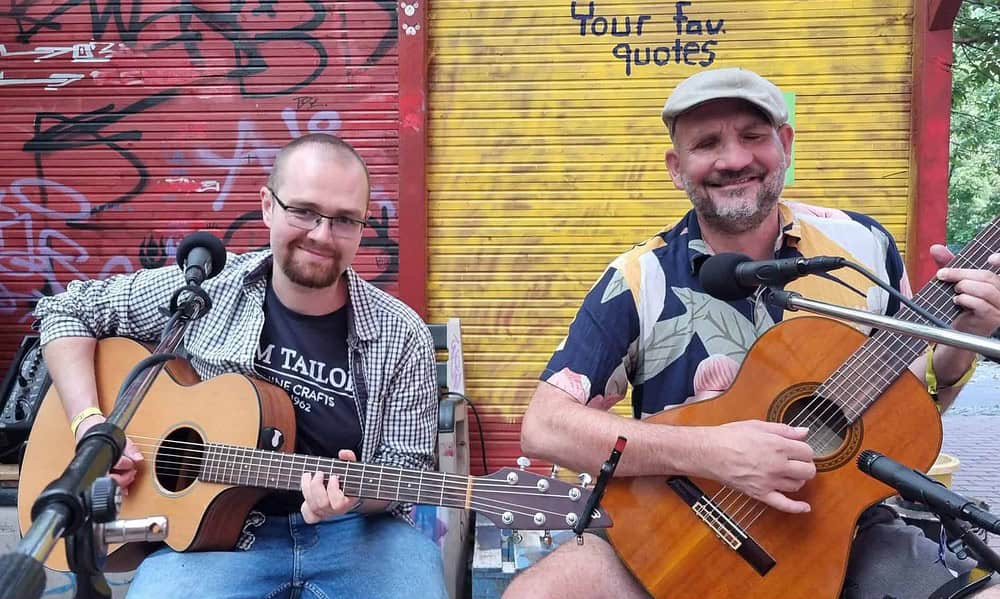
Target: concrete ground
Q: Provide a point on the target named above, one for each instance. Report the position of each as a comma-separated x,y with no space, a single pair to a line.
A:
972,434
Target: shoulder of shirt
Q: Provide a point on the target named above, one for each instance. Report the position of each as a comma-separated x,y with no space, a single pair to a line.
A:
241,264
389,310
867,221
834,215
657,243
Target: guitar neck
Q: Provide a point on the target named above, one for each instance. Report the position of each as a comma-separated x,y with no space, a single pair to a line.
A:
241,466
878,363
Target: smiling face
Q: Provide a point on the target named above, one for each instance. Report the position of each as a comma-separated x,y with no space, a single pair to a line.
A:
329,181
731,162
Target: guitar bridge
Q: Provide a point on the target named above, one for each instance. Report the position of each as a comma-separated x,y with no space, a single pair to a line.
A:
724,527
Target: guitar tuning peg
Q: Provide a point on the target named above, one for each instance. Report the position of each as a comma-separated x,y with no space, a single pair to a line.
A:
555,470
585,479
546,538
523,462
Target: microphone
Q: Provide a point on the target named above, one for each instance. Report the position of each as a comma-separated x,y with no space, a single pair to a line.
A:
917,486
732,276
201,256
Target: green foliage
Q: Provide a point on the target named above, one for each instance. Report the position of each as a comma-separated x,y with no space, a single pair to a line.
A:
974,177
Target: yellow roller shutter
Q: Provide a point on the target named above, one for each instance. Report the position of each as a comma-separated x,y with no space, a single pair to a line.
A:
546,149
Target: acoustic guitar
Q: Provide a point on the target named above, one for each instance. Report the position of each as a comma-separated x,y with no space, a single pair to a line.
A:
692,537
204,465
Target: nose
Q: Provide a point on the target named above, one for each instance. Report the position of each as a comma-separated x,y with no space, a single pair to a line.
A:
322,233
733,156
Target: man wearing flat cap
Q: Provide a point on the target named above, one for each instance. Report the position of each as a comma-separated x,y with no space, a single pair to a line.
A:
648,323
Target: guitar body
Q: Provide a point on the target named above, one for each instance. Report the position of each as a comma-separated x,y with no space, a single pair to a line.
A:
231,409
674,553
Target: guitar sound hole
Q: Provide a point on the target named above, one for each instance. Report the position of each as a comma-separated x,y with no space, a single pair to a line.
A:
179,459
828,427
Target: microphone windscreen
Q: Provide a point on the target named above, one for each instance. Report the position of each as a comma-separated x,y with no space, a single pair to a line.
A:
207,241
866,458
718,277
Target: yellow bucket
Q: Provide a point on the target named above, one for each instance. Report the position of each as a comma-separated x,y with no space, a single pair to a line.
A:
944,466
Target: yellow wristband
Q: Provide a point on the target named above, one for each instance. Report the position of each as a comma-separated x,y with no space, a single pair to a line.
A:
83,415
931,378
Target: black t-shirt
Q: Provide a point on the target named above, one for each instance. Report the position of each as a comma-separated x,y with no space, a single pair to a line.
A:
307,357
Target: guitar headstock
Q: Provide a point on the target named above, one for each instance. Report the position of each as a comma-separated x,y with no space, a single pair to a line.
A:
523,500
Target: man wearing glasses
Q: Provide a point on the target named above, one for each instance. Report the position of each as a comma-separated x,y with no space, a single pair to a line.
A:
357,364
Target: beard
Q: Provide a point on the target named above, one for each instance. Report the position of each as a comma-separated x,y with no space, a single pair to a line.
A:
306,274
741,212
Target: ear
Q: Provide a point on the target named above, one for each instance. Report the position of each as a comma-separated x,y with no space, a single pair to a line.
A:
786,135
266,206
674,168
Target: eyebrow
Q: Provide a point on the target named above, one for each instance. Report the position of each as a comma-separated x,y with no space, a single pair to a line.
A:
750,126
307,205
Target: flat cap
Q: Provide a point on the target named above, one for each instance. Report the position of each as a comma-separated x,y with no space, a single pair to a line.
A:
716,84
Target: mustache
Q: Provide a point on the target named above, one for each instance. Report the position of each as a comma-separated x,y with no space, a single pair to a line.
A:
727,177
319,249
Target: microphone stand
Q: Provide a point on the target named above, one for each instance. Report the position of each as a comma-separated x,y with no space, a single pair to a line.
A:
790,300
980,550
68,507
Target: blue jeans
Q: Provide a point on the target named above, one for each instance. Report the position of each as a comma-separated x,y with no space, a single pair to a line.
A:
350,556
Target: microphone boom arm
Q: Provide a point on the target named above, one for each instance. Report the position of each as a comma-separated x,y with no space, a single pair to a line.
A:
789,300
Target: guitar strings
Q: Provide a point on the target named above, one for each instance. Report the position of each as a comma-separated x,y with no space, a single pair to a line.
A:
938,293
266,454
446,498
455,492
288,470
887,344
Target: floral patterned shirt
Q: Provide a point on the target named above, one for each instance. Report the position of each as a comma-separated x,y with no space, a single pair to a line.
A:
648,323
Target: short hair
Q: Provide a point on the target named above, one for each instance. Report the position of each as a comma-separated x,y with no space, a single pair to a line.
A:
322,140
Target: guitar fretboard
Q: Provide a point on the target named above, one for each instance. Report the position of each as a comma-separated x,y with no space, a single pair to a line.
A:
878,363
233,465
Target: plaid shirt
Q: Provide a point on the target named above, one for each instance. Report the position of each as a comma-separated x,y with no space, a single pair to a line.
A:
390,350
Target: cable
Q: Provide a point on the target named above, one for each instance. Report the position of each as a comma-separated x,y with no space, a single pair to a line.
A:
840,281
892,291
147,362
9,450
479,425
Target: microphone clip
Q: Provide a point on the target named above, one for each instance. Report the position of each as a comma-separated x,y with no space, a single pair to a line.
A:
607,471
194,305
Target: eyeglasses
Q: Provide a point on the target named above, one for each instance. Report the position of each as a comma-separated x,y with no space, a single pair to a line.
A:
307,220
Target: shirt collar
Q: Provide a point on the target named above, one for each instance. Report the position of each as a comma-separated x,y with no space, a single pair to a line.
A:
360,306
699,250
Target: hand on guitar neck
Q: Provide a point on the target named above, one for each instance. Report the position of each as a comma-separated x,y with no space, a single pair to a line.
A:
323,496
325,501
977,293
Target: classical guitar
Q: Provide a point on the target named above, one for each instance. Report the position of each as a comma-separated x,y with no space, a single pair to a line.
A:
211,452
853,392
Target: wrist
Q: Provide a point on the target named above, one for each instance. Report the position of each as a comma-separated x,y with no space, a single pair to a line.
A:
692,450
948,367
83,416
87,424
